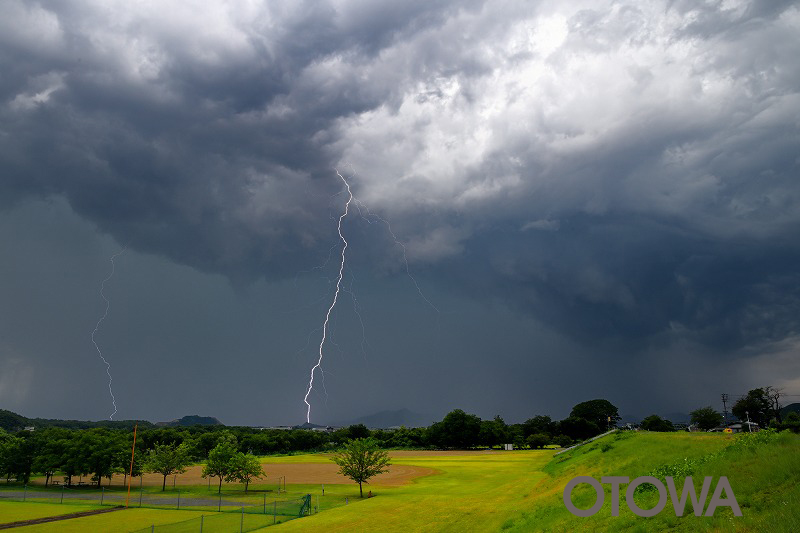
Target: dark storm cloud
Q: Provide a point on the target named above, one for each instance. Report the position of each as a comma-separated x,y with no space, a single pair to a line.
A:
623,172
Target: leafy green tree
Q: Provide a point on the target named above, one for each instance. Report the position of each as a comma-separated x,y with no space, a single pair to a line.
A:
357,431
104,453
221,459
539,424
757,405
598,412
9,446
791,422
706,418
168,459
563,441
538,440
12,421
404,437
21,455
578,428
493,432
245,468
360,460
656,423
457,430
53,443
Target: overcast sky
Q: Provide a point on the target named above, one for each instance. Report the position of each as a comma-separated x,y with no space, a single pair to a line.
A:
587,199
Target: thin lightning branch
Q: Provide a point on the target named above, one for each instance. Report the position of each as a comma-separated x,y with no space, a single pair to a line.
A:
360,206
335,296
357,310
105,314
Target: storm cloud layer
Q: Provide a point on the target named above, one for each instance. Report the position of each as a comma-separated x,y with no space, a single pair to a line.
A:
625,173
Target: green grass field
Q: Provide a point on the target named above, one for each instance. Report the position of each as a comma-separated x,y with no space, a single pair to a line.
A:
15,511
522,490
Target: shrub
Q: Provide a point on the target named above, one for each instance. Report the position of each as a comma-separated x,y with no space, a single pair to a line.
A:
538,440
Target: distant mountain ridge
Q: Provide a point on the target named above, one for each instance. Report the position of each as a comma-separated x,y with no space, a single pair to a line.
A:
191,420
791,408
387,419
11,421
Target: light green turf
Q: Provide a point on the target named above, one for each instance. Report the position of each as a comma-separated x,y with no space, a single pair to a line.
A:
522,491
15,511
125,520
470,493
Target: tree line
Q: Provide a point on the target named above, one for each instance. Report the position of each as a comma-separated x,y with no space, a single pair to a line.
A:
99,453
762,406
229,451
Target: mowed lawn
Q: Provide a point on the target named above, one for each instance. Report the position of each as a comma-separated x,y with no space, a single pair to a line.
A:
469,493
16,511
124,520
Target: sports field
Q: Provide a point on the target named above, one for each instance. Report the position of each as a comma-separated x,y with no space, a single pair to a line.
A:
518,491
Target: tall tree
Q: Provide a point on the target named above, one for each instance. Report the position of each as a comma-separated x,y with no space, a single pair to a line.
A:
493,432
360,460
457,430
53,442
9,446
220,459
706,418
539,424
168,459
656,423
601,412
774,395
756,406
245,468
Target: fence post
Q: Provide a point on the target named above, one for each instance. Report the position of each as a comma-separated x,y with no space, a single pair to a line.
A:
152,528
179,500
62,493
265,503
102,495
241,523
25,494
274,511
201,523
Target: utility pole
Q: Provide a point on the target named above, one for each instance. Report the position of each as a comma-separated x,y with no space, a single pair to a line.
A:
725,409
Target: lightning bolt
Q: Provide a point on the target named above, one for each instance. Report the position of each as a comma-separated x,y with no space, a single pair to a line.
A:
370,218
105,314
335,296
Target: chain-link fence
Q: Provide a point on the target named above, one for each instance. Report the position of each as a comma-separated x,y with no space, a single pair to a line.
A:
282,504
241,520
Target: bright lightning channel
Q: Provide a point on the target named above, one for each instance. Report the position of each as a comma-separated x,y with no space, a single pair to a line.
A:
369,218
105,314
335,296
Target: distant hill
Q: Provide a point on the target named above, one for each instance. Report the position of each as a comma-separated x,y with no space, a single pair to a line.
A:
191,420
307,425
11,421
387,419
677,418
792,407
